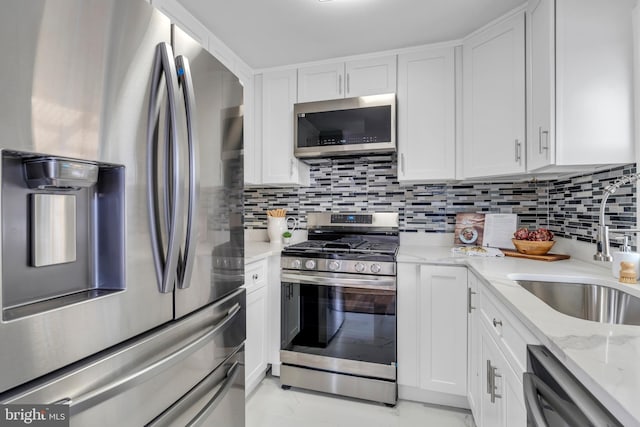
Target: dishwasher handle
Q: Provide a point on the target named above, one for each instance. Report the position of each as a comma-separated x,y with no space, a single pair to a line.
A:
534,387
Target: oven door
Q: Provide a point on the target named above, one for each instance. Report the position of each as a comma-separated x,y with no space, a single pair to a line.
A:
339,322
555,398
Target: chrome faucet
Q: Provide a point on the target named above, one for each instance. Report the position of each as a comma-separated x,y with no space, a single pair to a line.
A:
602,234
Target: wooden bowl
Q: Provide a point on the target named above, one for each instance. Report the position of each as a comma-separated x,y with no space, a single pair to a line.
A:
532,247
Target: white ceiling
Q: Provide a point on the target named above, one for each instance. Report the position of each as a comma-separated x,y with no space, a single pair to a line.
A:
269,33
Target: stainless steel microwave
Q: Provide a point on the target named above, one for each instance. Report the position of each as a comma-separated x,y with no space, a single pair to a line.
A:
342,127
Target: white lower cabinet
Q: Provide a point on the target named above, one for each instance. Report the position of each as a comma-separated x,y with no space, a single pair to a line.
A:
497,360
502,401
274,299
256,342
474,357
256,284
432,334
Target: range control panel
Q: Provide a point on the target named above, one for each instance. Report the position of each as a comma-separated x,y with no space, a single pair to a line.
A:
351,219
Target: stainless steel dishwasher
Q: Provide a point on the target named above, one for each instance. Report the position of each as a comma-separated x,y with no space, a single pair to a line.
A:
555,398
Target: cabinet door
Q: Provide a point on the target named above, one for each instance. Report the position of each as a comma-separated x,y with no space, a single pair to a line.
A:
426,115
494,100
473,347
274,309
370,76
491,369
515,411
443,329
256,343
541,84
279,166
407,324
321,82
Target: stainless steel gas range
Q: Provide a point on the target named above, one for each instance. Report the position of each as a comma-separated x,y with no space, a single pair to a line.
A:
338,312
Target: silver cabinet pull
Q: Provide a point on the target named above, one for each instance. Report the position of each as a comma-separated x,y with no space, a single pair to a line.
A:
539,139
402,163
469,294
340,84
489,371
497,322
255,276
545,146
494,375
348,91
188,258
518,150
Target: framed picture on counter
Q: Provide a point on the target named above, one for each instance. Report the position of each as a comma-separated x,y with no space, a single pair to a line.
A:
469,229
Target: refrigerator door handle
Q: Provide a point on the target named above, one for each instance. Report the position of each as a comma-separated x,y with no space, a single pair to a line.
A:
215,400
166,268
187,261
121,385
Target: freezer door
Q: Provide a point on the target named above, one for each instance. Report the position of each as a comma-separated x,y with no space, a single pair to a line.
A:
76,84
214,236
216,400
135,383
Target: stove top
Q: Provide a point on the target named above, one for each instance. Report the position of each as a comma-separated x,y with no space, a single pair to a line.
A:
345,245
355,236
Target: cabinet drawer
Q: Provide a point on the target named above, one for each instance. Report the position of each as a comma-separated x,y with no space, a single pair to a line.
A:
509,333
255,275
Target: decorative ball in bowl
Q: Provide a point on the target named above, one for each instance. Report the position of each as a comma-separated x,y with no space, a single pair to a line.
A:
536,242
532,247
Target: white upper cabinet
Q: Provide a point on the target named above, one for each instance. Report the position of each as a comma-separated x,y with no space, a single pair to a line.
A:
279,165
321,82
580,83
426,115
344,80
494,100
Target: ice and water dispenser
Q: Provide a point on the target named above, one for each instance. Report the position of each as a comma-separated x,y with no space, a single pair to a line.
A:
62,231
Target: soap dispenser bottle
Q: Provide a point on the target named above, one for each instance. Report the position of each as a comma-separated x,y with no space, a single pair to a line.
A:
625,255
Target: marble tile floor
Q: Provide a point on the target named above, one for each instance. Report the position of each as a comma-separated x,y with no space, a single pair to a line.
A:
270,406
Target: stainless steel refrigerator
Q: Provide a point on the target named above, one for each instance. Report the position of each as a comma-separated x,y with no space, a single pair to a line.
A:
122,254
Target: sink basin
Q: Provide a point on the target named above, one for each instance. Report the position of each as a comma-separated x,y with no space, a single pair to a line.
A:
596,303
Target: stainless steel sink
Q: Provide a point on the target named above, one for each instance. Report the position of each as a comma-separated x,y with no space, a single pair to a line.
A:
587,301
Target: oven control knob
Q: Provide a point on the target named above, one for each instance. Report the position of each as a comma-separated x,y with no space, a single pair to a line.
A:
359,267
334,265
375,268
296,263
310,264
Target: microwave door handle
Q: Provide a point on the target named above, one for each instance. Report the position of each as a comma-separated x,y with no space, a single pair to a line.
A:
165,264
188,259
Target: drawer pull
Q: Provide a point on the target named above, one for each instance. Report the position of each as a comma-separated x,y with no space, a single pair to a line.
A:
255,276
497,322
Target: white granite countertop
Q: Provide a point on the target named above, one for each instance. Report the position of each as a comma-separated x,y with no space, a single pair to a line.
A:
605,358
255,251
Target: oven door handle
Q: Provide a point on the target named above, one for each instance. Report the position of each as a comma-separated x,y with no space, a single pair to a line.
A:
534,386
382,283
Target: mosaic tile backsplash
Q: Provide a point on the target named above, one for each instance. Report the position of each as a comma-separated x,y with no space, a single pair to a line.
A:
569,207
